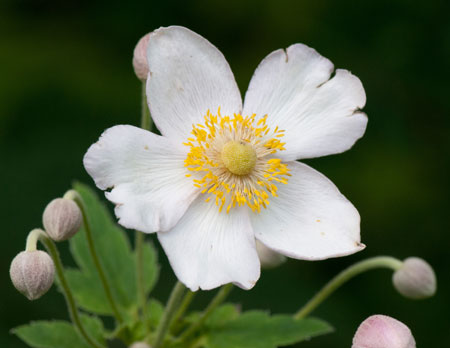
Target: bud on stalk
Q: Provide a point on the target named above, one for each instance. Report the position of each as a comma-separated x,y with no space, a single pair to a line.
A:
32,273
415,279
62,219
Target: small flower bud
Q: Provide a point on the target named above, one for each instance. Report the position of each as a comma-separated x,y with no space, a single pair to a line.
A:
268,257
140,345
140,64
381,331
62,219
32,273
415,279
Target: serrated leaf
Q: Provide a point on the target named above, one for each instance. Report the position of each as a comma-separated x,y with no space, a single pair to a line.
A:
256,329
50,334
118,260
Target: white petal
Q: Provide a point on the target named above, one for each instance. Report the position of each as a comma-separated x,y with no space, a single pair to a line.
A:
147,176
320,116
207,249
188,76
310,219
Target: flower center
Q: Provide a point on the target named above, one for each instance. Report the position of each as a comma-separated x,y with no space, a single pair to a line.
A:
238,157
233,160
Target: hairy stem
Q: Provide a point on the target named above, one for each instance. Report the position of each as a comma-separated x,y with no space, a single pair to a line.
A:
171,308
343,277
183,307
146,123
88,228
70,301
215,302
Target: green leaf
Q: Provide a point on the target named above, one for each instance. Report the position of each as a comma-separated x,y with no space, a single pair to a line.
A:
50,334
222,315
256,329
94,327
118,260
88,291
155,310
151,266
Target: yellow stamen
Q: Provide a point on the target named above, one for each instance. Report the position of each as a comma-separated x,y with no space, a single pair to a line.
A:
231,159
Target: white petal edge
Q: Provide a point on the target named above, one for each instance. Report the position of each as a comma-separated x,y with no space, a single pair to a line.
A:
320,115
310,219
147,176
188,76
208,248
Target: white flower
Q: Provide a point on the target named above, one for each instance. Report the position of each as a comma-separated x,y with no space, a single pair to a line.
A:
223,174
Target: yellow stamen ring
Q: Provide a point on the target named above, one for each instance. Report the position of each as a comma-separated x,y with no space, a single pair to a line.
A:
232,158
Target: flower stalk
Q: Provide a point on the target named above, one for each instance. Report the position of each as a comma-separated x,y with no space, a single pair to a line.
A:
88,228
32,239
344,276
171,308
185,303
215,302
146,123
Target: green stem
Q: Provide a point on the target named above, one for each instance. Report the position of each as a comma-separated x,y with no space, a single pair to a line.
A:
142,298
183,307
33,237
87,227
146,119
215,302
146,123
344,276
172,306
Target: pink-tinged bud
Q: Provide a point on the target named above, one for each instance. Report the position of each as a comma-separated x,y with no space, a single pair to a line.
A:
140,345
32,273
381,331
268,257
140,63
415,279
62,219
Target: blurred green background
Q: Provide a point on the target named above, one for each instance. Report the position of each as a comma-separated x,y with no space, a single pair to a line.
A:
66,75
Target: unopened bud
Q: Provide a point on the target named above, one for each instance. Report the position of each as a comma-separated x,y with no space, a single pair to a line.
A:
268,257
62,219
140,64
415,279
140,345
32,273
381,331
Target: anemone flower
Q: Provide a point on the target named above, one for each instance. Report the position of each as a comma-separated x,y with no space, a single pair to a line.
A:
223,173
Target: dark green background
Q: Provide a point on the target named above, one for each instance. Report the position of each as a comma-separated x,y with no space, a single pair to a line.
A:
65,76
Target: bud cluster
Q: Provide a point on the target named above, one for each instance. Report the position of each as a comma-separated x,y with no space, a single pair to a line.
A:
32,271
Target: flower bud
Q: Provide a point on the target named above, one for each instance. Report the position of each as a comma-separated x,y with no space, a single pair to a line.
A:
32,273
140,64
268,257
62,219
415,279
381,331
140,345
